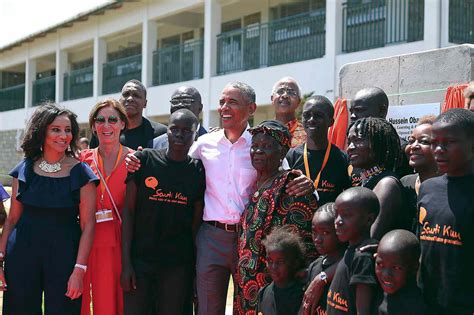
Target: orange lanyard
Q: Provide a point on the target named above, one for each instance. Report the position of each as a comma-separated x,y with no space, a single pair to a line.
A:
306,163
101,167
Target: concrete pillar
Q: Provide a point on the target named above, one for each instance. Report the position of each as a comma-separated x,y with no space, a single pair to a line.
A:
212,27
264,18
30,77
149,36
264,11
444,24
333,45
432,27
100,56
61,69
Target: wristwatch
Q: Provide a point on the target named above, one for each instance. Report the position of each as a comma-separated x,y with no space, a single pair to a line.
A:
324,277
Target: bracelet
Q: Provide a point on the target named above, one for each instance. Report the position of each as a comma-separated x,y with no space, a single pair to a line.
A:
83,267
2,260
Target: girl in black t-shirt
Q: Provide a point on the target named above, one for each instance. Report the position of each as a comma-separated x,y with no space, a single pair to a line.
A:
285,256
321,271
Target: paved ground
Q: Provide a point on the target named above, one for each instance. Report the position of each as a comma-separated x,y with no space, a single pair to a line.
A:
230,294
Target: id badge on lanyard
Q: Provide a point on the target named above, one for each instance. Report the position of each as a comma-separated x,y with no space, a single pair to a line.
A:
104,215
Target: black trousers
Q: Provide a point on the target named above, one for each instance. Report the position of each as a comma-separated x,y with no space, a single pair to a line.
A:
40,263
161,291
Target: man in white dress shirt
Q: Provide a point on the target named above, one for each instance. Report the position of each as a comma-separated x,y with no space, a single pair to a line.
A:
230,177
229,180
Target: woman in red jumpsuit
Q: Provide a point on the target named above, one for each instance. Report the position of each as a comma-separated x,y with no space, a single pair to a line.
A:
107,120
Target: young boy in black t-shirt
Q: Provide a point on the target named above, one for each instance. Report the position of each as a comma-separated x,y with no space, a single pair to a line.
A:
354,289
320,160
285,257
396,266
331,250
165,199
446,217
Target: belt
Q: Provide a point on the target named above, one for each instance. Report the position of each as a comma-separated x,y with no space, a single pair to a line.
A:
225,226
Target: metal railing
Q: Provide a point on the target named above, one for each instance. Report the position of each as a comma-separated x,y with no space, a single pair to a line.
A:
117,72
44,89
296,38
178,63
78,83
381,22
12,97
461,21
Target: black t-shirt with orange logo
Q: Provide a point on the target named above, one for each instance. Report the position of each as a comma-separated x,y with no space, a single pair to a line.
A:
446,231
166,193
355,267
334,178
406,301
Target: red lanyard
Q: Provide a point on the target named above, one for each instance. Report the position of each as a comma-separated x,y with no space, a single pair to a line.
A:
102,169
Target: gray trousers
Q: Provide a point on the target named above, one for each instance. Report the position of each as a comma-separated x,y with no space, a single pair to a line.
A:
216,260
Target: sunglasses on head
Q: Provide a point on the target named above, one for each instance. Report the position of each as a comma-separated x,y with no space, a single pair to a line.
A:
111,120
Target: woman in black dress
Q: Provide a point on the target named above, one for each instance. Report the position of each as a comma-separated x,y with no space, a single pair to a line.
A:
374,147
53,207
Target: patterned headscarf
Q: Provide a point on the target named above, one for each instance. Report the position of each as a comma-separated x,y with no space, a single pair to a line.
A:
274,129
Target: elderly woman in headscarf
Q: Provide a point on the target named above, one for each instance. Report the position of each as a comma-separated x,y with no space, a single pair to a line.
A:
269,207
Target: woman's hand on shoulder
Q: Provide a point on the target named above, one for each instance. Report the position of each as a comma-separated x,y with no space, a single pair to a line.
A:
132,162
299,186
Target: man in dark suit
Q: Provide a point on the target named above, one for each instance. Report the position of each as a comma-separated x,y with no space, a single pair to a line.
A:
140,131
183,97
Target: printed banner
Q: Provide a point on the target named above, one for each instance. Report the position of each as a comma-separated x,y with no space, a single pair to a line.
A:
405,117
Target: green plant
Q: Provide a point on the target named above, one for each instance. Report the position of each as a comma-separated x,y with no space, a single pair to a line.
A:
299,110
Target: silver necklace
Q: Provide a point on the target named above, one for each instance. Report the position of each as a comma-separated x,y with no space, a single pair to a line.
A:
51,168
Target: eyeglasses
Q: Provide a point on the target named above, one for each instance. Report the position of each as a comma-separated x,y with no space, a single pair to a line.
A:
112,120
186,101
289,92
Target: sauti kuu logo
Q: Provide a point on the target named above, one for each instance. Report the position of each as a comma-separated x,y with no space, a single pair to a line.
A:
440,233
164,196
151,182
337,301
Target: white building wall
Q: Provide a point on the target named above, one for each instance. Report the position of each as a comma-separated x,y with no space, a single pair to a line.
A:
318,75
